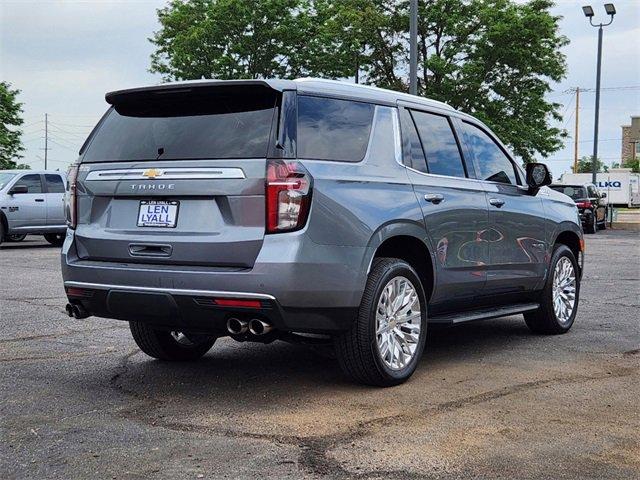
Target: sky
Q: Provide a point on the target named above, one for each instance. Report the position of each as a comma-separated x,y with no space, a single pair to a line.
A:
65,54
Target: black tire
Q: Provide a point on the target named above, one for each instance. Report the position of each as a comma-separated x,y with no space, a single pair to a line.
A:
55,239
16,237
544,320
1,231
161,344
592,224
357,350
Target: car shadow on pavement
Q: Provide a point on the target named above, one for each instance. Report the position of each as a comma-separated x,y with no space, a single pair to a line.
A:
252,372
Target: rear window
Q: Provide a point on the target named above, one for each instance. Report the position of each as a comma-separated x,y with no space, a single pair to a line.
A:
573,192
331,129
218,122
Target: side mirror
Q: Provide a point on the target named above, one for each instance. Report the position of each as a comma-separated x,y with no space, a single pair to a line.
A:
603,195
538,175
18,189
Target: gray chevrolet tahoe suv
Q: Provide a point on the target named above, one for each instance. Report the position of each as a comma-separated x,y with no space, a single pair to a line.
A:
31,202
310,211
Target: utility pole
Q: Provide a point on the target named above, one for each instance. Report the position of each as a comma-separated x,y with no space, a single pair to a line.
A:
413,48
46,138
577,132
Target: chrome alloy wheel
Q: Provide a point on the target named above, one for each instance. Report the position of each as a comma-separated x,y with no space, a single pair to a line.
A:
564,290
398,323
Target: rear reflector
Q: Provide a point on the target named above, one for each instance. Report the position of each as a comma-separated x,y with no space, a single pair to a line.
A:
79,292
231,302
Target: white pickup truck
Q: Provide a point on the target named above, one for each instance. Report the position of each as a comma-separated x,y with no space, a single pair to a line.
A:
32,202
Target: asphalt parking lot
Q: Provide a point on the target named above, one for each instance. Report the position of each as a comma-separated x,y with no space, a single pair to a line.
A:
490,400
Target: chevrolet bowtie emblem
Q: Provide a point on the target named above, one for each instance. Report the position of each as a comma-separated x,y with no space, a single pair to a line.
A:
152,173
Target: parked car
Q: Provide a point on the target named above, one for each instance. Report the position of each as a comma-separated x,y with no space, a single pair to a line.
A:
309,211
591,204
32,202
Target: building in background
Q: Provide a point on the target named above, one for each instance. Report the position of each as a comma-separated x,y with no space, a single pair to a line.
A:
631,139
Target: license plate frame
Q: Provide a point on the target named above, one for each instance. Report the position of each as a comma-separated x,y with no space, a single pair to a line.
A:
165,218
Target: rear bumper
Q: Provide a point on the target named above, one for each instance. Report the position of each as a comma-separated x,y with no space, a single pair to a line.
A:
301,286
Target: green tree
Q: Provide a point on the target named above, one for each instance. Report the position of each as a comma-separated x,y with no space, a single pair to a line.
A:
494,59
634,165
226,39
585,165
10,121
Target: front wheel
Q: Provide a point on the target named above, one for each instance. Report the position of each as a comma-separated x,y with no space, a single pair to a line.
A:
16,237
385,343
170,345
55,239
559,298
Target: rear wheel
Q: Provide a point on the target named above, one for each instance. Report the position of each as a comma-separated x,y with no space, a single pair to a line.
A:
559,299
16,237
385,343
55,239
170,345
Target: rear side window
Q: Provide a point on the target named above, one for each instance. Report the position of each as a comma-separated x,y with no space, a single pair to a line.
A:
439,144
414,156
331,129
492,163
54,183
219,122
32,182
573,192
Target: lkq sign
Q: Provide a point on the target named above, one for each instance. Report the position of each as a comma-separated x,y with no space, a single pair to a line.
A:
609,184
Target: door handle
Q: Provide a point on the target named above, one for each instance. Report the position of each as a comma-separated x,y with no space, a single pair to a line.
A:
39,199
434,198
496,202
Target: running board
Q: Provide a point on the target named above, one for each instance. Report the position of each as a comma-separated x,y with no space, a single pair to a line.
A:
483,314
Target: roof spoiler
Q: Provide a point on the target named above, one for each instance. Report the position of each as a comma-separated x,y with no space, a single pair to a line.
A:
199,86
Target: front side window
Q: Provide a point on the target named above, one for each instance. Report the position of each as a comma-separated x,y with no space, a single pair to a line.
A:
491,162
54,183
32,182
332,129
439,144
5,178
592,191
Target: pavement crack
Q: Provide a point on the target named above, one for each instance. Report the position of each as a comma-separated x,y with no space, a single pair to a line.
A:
57,335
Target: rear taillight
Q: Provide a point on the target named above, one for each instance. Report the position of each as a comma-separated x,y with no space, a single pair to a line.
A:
583,204
288,194
71,199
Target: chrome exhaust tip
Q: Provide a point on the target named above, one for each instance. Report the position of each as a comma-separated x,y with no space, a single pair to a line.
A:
235,326
258,327
76,311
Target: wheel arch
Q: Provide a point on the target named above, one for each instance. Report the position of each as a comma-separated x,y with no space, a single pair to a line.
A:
408,242
573,240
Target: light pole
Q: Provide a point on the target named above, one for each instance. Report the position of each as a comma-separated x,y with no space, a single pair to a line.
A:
413,48
588,12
